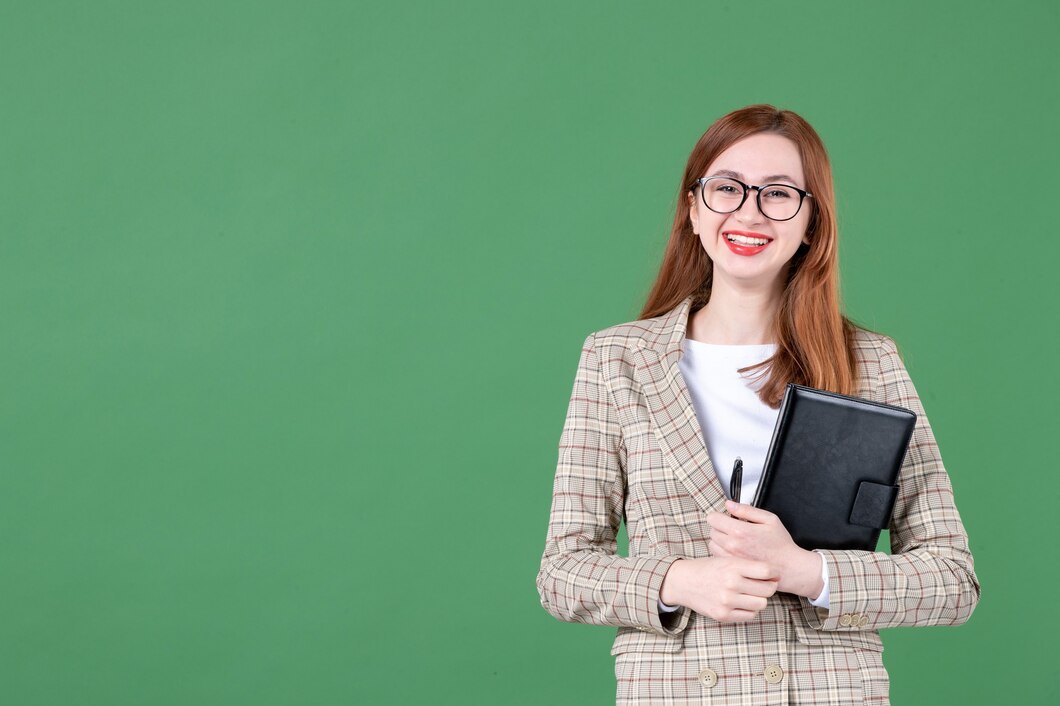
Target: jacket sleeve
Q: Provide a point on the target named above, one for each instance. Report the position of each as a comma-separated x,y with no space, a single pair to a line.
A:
928,579
582,579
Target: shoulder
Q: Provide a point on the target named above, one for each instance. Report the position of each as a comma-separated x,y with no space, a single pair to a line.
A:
630,335
878,360
663,333
872,345
614,349
618,350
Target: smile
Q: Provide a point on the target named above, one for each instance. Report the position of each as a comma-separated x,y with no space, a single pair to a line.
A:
743,243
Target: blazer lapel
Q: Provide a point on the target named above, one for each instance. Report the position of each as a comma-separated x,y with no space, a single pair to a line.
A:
669,403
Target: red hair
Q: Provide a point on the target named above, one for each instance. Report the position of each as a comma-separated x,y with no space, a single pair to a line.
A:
814,339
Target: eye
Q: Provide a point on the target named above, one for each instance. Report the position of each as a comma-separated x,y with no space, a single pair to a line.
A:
778,193
725,187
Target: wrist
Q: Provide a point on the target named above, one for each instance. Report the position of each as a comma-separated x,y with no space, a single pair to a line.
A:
805,575
670,591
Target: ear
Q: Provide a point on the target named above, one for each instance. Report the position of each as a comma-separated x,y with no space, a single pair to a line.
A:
691,195
810,227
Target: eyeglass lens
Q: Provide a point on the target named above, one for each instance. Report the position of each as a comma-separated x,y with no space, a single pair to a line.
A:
777,201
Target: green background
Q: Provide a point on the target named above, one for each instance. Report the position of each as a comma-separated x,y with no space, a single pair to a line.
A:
292,297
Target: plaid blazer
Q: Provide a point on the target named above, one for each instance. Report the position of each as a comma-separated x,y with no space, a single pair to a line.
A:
632,449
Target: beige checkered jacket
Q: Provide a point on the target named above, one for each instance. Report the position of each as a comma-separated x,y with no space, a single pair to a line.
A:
632,449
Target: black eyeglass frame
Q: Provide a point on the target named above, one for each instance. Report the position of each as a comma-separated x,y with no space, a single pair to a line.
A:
701,182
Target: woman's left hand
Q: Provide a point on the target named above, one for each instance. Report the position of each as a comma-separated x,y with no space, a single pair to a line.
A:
753,533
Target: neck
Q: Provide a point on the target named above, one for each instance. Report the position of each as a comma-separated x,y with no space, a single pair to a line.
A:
737,315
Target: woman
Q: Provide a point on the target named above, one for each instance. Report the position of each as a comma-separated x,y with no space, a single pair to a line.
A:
715,603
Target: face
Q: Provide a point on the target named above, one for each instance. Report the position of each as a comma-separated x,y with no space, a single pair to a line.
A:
747,248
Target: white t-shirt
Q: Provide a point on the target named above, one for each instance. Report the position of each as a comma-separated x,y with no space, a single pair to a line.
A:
734,421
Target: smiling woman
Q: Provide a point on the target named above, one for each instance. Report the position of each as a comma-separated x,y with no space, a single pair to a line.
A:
715,603
733,228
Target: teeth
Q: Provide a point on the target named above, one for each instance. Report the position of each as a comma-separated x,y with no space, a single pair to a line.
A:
744,240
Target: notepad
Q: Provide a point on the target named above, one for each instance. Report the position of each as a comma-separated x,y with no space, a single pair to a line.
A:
832,467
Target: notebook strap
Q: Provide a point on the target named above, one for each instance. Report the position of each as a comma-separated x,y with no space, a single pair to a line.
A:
873,505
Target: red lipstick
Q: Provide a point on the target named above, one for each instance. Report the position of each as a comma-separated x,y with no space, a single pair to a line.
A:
746,250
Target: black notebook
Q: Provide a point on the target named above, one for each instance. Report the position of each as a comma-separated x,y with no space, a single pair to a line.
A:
831,471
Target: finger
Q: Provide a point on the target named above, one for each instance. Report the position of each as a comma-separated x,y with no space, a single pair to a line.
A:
757,570
721,545
741,616
721,522
750,513
761,589
717,548
748,601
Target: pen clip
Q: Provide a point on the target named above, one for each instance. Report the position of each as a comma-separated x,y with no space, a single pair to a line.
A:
736,481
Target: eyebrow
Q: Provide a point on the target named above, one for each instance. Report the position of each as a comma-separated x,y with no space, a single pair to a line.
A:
766,180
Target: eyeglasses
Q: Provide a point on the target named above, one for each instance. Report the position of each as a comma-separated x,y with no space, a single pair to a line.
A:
777,202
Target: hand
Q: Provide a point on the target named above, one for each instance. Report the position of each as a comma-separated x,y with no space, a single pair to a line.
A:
729,589
753,533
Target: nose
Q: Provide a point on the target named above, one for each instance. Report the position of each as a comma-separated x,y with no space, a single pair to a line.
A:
749,211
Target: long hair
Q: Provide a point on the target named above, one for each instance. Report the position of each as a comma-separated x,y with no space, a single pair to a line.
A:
814,339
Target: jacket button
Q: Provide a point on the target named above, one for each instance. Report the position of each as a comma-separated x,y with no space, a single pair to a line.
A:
845,619
864,621
773,674
708,677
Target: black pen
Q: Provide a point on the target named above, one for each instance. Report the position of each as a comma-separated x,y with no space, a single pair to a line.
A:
736,480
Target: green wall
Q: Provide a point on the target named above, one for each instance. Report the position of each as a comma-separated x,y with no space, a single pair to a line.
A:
292,297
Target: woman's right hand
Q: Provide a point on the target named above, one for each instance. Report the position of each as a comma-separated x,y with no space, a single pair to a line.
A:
727,589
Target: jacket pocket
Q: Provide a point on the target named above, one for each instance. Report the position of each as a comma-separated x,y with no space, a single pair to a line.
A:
634,640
